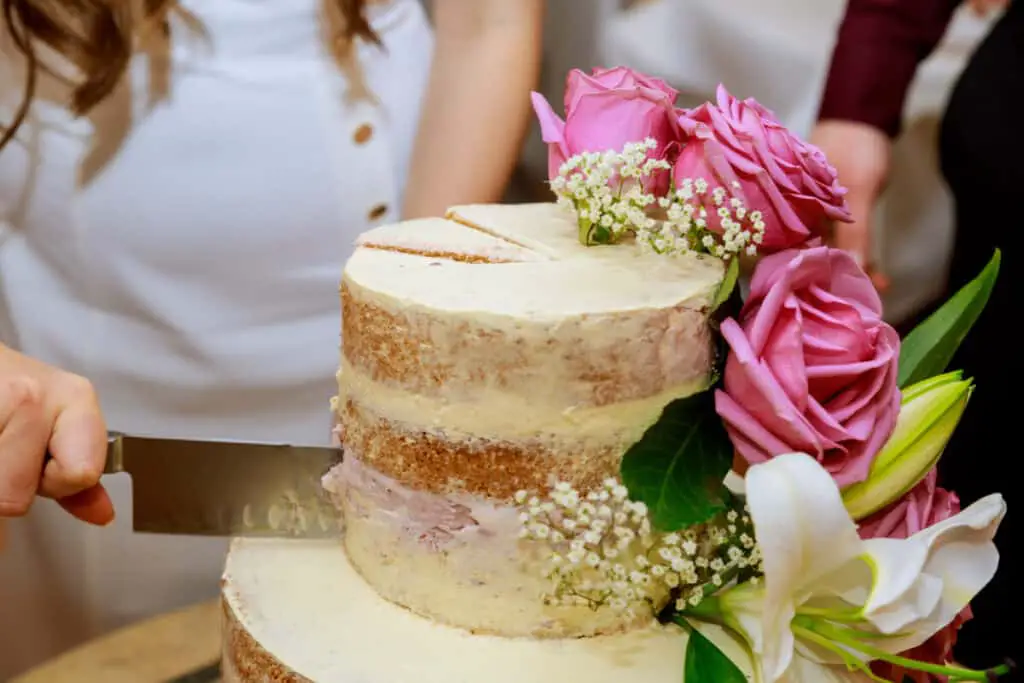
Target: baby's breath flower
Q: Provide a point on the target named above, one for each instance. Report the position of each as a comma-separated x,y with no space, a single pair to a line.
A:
608,191
684,227
602,552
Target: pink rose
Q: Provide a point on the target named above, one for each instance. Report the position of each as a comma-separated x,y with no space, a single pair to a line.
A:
812,366
741,147
926,504
605,111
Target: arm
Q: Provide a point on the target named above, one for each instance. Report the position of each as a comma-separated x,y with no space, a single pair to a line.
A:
477,107
878,49
880,44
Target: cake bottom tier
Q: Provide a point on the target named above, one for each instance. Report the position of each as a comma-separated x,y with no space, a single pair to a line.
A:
297,612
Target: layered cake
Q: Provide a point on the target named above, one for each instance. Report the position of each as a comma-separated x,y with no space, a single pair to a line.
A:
483,354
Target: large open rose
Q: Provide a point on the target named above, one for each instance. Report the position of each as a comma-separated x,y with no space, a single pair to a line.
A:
925,505
605,111
740,146
812,366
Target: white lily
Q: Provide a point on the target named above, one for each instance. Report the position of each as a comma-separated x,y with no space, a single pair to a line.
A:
830,597
929,413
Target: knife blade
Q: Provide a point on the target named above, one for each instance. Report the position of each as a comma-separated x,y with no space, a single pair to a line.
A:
226,488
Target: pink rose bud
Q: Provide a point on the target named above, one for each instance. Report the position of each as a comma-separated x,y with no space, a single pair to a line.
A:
741,147
607,110
812,366
926,504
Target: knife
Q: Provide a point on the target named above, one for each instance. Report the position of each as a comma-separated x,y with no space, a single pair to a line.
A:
226,488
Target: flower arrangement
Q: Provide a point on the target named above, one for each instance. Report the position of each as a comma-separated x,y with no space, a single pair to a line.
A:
795,503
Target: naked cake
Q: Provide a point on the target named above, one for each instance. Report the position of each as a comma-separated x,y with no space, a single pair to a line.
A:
485,353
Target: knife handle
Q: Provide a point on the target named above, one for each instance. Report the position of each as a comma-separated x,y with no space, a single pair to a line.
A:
114,463
115,453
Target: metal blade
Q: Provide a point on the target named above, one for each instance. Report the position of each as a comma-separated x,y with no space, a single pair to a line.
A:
224,488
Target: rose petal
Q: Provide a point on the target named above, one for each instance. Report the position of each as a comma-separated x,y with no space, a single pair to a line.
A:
552,130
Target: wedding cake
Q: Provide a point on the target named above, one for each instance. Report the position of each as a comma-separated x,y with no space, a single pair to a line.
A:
483,354
576,450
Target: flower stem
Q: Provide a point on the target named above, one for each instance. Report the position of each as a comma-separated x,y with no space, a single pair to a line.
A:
848,616
816,631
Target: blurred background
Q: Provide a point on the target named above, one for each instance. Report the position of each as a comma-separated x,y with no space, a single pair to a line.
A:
776,51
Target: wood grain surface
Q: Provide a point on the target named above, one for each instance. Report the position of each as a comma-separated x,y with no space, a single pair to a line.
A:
179,646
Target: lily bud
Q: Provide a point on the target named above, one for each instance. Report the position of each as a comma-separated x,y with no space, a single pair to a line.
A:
929,413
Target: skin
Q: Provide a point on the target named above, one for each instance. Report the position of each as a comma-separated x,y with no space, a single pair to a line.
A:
861,154
477,108
984,7
44,410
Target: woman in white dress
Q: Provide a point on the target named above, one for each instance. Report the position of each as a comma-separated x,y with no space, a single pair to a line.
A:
177,196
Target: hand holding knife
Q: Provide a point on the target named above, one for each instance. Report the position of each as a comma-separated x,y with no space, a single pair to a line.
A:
178,486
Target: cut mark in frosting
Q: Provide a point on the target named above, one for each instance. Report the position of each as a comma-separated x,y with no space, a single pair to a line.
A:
446,255
440,238
456,218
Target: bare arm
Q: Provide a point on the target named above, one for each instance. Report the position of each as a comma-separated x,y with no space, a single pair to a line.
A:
477,107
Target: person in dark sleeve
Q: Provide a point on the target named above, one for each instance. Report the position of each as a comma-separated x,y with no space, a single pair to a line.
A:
880,44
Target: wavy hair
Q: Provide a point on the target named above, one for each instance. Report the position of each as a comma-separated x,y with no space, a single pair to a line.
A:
97,38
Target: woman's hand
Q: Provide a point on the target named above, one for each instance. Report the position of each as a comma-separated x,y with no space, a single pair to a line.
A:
984,7
860,154
45,411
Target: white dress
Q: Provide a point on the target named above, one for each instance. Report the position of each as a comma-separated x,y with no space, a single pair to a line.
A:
183,252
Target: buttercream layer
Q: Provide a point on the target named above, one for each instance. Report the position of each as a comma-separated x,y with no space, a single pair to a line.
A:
582,360
457,559
297,612
431,461
493,446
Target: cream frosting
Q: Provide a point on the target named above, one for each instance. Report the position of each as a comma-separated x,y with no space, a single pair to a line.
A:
590,282
307,607
505,415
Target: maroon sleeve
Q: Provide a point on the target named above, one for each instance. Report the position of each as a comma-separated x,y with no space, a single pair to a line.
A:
879,46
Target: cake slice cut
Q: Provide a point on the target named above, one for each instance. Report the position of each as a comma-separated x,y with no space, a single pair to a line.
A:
437,238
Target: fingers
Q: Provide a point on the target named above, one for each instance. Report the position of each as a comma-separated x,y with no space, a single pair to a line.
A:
24,431
860,155
53,440
92,505
984,7
78,442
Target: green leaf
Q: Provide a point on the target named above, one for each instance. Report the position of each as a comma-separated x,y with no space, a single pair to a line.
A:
927,350
679,465
732,274
706,663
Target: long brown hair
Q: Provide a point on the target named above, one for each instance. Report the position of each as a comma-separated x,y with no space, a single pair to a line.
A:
98,37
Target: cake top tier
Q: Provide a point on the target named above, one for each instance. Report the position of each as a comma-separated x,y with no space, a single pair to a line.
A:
540,270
